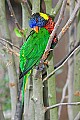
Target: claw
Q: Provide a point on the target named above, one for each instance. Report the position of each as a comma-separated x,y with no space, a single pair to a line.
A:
40,68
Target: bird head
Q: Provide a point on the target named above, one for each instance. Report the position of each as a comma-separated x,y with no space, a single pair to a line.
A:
38,20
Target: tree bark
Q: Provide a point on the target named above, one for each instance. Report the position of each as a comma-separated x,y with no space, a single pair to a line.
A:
4,30
77,71
52,90
31,113
38,96
25,18
71,63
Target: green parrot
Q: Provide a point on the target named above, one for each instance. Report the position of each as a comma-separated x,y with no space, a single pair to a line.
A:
34,47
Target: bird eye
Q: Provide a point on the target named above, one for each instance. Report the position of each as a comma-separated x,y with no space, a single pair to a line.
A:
36,19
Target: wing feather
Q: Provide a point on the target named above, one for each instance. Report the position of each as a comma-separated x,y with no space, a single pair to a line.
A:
32,50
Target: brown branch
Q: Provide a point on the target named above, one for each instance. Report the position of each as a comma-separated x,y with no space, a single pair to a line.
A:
10,43
13,14
10,50
59,65
61,104
69,22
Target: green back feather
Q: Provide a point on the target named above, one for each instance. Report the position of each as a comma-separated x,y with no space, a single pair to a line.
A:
31,52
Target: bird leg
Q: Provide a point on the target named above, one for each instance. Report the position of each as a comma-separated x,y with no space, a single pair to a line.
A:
40,67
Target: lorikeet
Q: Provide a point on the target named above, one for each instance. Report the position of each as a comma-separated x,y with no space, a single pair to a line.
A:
34,47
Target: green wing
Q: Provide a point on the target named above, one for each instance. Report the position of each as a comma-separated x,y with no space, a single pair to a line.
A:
33,49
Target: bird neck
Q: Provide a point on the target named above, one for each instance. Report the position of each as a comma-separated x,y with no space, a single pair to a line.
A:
50,25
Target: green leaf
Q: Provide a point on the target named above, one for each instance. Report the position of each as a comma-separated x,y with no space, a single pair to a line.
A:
21,33
18,33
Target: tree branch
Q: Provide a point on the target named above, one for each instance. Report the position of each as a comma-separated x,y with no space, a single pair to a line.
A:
61,63
10,50
61,104
10,43
13,14
63,97
77,117
69,22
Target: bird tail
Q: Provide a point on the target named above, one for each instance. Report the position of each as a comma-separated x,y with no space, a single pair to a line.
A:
24,85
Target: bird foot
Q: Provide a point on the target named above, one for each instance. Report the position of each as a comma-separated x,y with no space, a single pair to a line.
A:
40,68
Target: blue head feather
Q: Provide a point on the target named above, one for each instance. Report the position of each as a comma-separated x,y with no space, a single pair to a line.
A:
37,20
32,23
